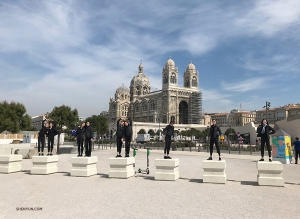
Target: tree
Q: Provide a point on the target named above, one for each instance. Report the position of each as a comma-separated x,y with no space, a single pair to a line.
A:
65,118
229,132
142,131
158,131
13,117
151,132
99,124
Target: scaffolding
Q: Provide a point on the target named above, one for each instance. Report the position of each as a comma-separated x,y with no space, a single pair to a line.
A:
195,115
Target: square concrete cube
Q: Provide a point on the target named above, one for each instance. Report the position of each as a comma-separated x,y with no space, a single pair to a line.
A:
121,167
270,173
214,171
167,169
10,163
44,165
84,166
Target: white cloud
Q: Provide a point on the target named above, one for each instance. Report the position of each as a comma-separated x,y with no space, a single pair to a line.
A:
216,101
268,17
250,84
74,53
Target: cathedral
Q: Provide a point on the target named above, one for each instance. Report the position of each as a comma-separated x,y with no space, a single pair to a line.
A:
182,105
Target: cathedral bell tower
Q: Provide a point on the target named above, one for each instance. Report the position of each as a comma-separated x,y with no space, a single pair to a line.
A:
169,75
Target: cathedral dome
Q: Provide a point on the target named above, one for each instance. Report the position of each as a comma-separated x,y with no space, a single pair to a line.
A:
140,78
122,90
170,62
191,66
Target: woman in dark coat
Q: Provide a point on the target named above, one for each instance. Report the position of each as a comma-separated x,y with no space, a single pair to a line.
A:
119,134
264,131
127,136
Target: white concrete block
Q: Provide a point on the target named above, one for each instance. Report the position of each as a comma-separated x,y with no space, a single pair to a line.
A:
10,163
84,166
270,173
44,164
214,171
121,167
167,169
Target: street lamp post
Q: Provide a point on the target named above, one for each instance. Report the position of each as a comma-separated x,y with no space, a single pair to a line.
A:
158,120
267,106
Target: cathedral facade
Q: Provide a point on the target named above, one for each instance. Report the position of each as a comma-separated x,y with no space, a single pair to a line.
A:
182,105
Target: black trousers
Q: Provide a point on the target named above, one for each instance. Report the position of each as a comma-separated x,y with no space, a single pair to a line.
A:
211,146
41,144
167,144
119,144
127,144
80,145
88,146
265,141
297,154
50,144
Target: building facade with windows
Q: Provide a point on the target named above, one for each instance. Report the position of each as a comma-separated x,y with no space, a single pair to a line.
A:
287,112
182,105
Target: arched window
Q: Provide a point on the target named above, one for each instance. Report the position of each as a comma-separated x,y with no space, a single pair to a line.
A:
152,106
137,91
151,119
173,119
173,79
165,119
137,108
145,107
165,80
194,82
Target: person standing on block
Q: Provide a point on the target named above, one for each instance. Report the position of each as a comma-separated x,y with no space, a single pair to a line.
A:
119,134
169,132
88,139
79,137
51,133
297,150
214,133
264,131
41,138
127,136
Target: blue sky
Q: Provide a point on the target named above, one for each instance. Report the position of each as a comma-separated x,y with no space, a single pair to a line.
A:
79,52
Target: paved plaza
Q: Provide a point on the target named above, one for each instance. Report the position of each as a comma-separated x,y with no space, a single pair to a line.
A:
62,196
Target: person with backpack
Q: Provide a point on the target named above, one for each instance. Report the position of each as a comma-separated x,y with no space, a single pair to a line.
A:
169,130
264,130
297,149
120,134
51,132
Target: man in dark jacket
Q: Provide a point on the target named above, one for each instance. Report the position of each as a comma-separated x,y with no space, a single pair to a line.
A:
297,149
41,138
127,136
88,139
264,131
80,133
51,132
120,135
169,132
214,133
